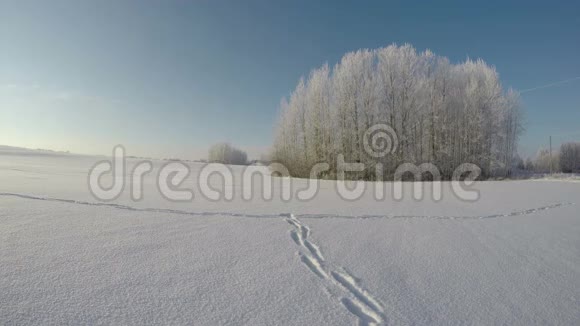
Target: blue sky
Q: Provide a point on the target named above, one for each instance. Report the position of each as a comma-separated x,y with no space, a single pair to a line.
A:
168,78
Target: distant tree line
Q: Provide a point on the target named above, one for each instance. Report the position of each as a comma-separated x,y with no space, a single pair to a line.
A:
442,113
570,157
227,154
566,159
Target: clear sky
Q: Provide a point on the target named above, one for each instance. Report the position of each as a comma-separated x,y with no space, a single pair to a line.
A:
168,78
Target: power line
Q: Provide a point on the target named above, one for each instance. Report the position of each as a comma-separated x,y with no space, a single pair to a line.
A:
550,85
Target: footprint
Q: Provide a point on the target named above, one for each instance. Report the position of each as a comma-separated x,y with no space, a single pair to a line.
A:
314,265
305,231
314,250
296,237
350,284
365,316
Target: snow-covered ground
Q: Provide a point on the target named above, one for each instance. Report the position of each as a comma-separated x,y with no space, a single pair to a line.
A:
512,257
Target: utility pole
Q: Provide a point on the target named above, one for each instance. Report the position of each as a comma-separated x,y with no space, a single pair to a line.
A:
550,154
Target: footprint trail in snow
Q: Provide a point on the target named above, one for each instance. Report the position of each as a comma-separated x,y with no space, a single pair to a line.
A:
357,300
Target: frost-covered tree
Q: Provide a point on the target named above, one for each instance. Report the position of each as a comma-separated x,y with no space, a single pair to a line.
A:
546,162
442,113
570,157
227,154
529,164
